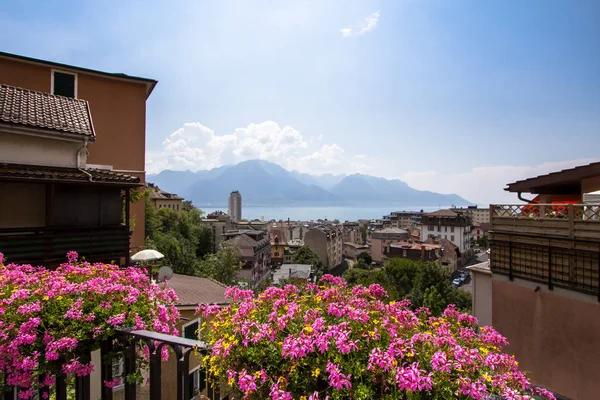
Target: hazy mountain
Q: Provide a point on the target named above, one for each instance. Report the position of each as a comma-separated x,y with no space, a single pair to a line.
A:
265,183
260,183
326,181
361,189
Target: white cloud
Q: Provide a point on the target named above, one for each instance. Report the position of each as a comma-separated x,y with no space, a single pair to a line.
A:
367,25
196,147
484,185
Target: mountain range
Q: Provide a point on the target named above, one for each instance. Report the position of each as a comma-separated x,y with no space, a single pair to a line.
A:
263,183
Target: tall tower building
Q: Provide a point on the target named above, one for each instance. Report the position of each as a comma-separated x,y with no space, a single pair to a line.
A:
235,206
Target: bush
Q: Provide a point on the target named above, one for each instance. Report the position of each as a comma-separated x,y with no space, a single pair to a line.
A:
334,342
67,313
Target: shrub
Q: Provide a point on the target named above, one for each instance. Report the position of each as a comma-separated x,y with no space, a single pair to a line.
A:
333,342
51,320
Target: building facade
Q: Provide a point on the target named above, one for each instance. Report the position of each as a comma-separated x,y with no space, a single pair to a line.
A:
353,250
326,242
255,249
545,280
382,237
161,199
117,105
478,215
450,225
235,206
219,223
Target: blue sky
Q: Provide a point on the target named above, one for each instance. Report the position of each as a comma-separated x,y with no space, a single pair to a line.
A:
449,95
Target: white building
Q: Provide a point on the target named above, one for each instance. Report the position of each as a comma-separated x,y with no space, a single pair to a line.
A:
447,224
235,206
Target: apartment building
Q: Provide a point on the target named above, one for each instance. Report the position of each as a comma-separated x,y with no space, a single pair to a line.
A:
353,250
540,288
290,250
382,237
327,243
235,206
402,219
62,181
255,248
450,225
277,237
478,215
161,199
351,232
219,223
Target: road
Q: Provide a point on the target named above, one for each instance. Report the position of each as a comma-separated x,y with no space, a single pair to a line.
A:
467,286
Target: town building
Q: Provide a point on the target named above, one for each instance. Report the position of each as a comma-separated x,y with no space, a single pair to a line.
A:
382,237
219,223
257,225
413,251
325,242
277,236
63,184
235,206
541,285
291,249
447,224
402,219
255,249
161,199
449,257
351,232
353,250
296,273
478,215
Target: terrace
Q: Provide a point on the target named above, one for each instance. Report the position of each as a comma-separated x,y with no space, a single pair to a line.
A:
555,239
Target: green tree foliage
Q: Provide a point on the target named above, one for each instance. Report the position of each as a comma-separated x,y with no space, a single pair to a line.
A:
305,255
366,257
223,265
424,284
180,237
483,242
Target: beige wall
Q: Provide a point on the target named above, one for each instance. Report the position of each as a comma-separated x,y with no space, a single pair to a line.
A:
175,205
554,335
22,149
316,240
118,110
22,205
482,293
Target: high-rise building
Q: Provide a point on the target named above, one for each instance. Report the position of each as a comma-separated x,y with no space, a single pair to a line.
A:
235,206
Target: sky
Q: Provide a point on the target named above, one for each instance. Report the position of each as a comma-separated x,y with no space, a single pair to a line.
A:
453,96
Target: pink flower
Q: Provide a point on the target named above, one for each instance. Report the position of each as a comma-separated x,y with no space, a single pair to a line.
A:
72,256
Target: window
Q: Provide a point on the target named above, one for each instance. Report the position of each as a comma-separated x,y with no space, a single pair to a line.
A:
431,228
439,229
197,382
445,229
177,207
452,238
445,236
64,84
191,330
452,229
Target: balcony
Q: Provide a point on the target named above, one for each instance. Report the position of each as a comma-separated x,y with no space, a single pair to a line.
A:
555,244
48,246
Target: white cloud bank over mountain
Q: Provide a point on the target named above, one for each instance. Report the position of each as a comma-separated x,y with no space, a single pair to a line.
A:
197,147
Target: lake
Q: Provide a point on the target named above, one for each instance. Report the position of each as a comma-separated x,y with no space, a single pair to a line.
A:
314,213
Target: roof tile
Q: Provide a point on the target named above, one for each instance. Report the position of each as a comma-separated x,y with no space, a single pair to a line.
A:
43,110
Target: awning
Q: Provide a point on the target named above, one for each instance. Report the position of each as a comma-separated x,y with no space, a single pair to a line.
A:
34,173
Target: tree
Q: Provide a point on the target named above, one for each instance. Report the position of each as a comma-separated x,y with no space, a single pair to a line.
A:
483,242
363,233
366,257
223,265
305,255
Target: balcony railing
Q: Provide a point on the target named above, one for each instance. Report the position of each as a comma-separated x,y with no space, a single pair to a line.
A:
556,244
49,245
181,349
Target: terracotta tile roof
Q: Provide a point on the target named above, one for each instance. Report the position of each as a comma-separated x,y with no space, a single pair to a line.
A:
442,213
158,194
192,290
29,108
20,172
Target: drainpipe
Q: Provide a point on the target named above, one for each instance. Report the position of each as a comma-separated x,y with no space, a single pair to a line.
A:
78,154
519,195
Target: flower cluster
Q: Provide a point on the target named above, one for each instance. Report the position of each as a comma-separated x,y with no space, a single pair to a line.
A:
333,342
51,320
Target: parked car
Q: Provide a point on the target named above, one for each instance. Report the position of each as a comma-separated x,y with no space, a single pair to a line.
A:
456,282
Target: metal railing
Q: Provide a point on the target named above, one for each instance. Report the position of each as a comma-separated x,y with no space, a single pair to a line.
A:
130,341
558,263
